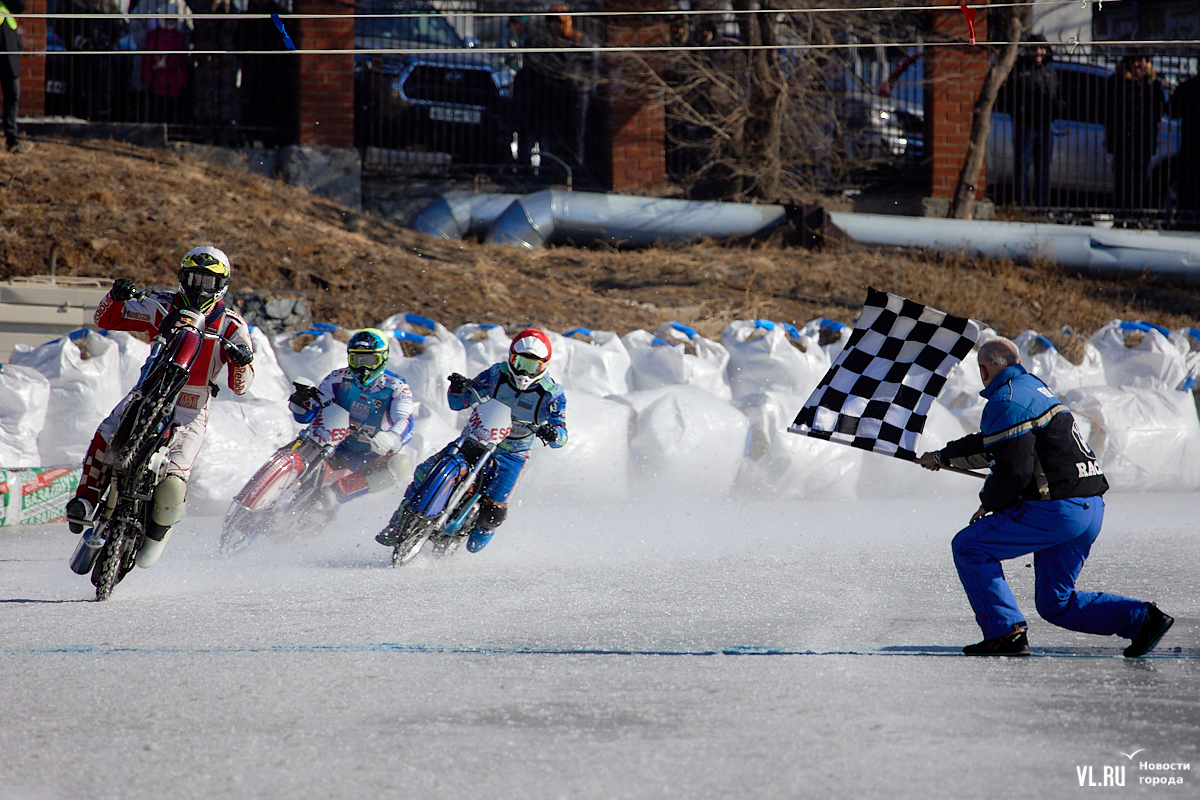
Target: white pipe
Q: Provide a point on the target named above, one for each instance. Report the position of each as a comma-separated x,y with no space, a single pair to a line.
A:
1100,251
554,215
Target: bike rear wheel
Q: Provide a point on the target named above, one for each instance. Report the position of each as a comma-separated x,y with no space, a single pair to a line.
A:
115,560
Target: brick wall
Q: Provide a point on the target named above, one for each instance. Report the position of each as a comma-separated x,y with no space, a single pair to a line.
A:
33,68
953,78
325,80
636,121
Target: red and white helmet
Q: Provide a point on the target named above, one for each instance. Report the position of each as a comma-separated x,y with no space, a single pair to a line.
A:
528,356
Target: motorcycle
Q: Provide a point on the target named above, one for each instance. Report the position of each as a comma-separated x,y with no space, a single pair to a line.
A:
291,490
109,549
443,508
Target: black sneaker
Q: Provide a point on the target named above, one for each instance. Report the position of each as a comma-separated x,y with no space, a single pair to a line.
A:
1013,643
79,514
1154,627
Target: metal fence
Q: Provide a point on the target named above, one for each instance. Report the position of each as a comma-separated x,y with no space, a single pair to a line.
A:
104,67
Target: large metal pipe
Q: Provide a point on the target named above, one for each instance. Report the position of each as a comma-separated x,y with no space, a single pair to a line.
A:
1099,251
557,216
457,215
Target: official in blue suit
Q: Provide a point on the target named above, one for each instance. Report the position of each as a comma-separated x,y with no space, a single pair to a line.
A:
1043,496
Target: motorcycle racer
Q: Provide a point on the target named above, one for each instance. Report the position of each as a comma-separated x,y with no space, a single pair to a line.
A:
380,405
204,276
538,407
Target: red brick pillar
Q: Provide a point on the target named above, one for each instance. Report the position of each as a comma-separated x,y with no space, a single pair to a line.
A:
33,68
953,77
636,121
325,81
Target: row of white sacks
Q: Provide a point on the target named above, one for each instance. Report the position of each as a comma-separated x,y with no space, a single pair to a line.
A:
669,411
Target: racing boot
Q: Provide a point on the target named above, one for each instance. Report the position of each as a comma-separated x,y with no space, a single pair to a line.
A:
79,513
1153,629
491,515
1013,643
390,535
169,497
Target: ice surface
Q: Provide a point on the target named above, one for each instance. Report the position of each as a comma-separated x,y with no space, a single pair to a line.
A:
687,647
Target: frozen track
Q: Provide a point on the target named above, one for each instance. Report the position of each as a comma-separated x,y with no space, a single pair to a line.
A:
699,650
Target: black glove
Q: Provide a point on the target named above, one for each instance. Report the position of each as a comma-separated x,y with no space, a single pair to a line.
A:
459,383
547,433
242,356
303,396
122,289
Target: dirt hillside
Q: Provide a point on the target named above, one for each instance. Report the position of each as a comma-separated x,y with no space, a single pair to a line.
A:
114,210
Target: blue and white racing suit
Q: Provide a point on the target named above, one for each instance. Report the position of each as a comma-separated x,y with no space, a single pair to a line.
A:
543,403
381,414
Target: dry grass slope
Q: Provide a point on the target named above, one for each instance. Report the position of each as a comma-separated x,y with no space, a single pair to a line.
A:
115,210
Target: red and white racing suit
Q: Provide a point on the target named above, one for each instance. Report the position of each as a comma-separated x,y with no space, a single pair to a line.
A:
191,409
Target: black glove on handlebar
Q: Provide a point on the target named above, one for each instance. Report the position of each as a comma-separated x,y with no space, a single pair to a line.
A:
122,289
242,356
459,383
303,396
547,433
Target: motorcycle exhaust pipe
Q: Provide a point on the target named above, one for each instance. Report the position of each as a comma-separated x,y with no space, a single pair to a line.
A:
86,552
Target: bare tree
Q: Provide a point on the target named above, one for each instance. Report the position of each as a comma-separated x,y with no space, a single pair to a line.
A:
1016,23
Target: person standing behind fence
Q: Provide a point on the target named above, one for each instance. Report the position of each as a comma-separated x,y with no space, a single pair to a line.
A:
1135,105
1036,104
10,71
1185,105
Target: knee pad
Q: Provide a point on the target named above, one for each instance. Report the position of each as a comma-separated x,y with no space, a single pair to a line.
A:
389,473
491,515
169,497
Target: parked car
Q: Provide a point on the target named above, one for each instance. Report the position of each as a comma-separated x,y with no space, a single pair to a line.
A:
451,102
882,129
1080,166
1081,169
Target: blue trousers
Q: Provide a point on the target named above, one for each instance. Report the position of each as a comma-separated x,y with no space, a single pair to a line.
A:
500,478
1060,534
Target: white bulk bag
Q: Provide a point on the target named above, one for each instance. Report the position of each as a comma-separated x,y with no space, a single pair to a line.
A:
241,435
831,334
686,441
270,382
133,353
1040,357
484,344
590,361
594,464
310,354
1147,439
1141,354
887,476
425,353
765,356
24,395
780,464
83,390
677,355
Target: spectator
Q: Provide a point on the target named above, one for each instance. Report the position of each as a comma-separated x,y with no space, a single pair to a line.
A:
1036,104
10,72
553,91
164,71
1135,105
268,80
680,32
215,100
1185,105
514,39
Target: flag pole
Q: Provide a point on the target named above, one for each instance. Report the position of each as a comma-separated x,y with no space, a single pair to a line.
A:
973,474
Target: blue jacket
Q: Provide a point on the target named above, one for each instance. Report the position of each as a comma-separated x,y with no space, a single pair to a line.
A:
382,412
543,403
1030,440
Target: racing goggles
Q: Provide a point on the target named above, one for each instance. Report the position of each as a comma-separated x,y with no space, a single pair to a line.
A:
200,280
526,365
359,360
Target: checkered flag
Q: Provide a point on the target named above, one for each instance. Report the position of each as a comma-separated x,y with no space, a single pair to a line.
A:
877,394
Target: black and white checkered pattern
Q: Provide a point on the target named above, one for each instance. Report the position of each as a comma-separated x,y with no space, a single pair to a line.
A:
878,393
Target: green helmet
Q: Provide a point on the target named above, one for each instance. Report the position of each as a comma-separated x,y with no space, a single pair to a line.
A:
367,354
